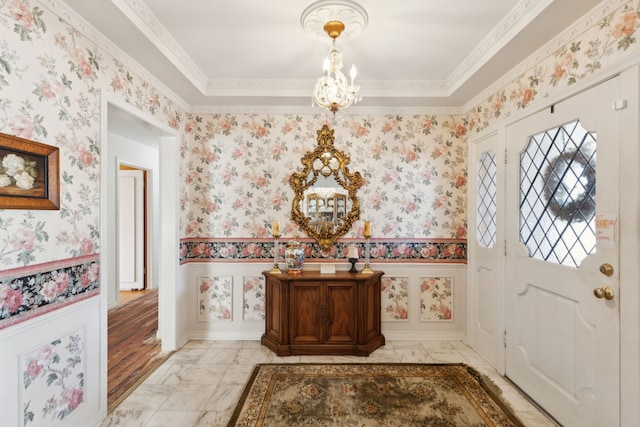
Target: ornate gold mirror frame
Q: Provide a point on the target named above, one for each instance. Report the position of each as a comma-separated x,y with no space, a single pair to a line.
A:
325,162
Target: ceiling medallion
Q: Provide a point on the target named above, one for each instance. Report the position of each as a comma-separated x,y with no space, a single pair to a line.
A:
335,18
350,13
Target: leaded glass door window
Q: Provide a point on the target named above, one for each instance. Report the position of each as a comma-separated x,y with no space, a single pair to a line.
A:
558,194
486,213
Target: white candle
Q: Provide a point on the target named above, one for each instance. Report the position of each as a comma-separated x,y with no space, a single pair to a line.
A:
352,252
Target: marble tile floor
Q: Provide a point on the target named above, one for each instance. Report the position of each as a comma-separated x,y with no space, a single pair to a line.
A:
199,385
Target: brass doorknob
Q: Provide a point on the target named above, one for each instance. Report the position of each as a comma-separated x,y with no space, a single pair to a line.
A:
603,292
606,269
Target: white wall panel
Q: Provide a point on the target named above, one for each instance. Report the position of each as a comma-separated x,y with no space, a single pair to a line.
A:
239,328
19,342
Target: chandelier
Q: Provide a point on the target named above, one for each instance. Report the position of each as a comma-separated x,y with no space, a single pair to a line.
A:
334,91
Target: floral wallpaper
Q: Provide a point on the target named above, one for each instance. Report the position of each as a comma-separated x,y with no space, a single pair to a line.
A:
590,51
51,78
50,82
253,306
215,299
436,299
234,167
395,298
53,380
414,171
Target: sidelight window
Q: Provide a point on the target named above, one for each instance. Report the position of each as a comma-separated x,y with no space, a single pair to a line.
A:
486,215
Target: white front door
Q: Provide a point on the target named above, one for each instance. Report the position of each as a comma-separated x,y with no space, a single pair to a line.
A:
562,300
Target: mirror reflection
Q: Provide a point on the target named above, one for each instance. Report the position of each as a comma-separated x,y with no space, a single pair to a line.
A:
325,205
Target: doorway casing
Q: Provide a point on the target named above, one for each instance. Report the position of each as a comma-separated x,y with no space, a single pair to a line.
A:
168,242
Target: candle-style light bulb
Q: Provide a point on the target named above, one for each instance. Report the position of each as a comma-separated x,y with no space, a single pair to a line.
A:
353,73
326,66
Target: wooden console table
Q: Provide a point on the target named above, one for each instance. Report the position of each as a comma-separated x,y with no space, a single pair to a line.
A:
322,314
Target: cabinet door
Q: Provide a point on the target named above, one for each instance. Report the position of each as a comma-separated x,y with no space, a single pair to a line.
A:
340,326
371,305
274,310
305,304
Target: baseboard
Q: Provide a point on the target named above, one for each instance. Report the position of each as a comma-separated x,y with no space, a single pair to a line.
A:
225,336
424,336
255,336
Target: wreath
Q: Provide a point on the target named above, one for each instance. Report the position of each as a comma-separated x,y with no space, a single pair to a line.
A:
560,200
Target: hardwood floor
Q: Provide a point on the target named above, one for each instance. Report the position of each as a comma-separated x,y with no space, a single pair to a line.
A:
126,296
134,350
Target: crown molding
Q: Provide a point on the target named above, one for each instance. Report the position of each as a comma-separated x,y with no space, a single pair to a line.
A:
142,17
508,28
317,111
68,15
374,88
579,27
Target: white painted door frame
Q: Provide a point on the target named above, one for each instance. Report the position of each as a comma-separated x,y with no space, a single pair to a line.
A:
168,244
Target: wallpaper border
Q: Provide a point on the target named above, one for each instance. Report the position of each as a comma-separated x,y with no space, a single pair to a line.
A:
194,250
28,292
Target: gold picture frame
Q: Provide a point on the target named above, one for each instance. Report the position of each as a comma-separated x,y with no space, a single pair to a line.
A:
325,161
29,174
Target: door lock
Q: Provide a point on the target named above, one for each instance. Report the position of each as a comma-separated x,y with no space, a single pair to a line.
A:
606,269
603,292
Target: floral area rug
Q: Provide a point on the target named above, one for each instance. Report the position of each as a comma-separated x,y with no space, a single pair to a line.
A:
308,395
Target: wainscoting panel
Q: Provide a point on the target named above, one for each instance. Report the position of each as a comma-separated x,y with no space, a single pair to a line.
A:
50,368
253,308
395,299
215,298
418,300
436,299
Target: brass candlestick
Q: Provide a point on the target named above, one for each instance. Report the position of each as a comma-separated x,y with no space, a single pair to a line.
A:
367,250
275,269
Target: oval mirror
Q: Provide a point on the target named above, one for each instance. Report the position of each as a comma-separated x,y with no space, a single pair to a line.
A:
325,205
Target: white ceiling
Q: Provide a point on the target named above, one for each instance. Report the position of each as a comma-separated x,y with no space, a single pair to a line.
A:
412,53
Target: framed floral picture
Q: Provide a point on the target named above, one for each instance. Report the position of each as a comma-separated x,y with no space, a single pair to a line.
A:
29,174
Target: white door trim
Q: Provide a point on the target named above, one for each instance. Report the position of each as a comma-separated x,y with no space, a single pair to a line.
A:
169,226
630,248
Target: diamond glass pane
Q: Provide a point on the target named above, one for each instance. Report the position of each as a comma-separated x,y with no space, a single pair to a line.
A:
558,194
486,220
